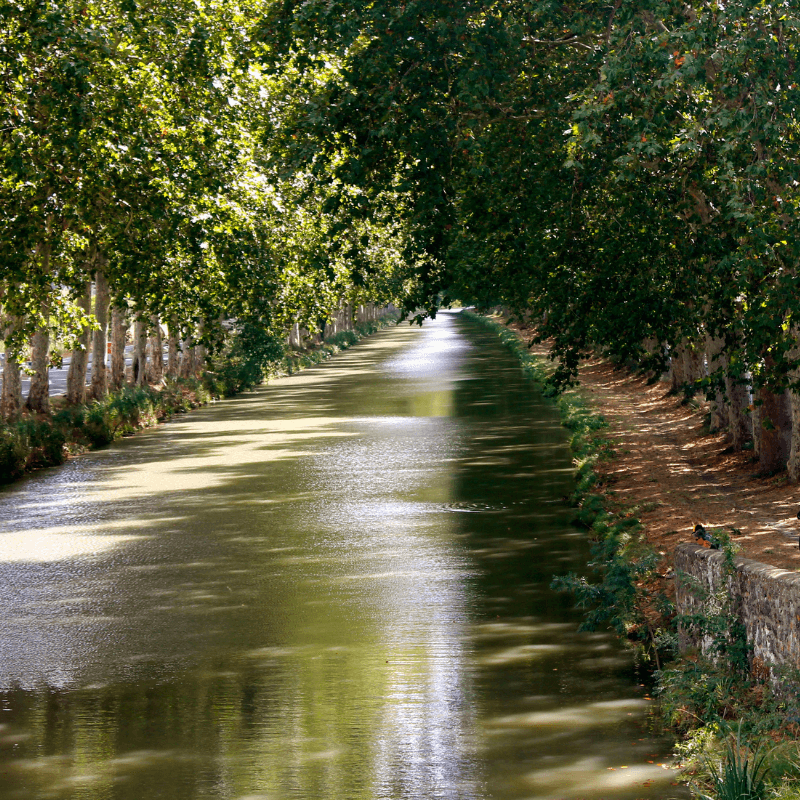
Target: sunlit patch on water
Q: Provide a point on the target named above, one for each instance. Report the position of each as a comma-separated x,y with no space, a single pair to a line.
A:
439,354
47,545
473,508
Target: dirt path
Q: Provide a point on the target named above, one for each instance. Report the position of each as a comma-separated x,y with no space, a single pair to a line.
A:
669,464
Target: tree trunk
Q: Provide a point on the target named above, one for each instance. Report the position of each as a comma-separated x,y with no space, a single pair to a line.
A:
693,363
11,398
775,429
172,349
100,338
156,351
119,328
199,360
677,375
187,357
39,395
793,464
200,351
740,422
757,430
76,375
294,336
717,362
139,366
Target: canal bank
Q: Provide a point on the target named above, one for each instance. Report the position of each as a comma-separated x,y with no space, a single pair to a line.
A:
336,586
650,468
34,441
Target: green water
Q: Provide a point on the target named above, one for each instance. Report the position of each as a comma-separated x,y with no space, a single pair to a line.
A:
333,587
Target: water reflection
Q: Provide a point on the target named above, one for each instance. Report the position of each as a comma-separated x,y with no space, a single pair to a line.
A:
333,587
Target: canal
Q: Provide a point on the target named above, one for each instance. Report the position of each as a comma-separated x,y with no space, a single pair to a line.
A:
334,587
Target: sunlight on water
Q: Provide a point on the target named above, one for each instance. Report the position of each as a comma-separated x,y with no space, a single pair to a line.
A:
50,544
333,588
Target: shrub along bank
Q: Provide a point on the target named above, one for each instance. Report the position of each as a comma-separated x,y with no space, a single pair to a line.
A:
248,358
630,589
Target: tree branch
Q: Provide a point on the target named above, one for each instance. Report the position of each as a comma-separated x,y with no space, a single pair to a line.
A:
611,21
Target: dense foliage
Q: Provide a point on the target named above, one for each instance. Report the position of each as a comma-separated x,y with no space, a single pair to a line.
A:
141,141
626,171
625,174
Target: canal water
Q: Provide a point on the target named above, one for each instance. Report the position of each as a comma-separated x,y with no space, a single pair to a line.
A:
334,587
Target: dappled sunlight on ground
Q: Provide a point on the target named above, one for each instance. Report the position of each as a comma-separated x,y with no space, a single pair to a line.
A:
678,475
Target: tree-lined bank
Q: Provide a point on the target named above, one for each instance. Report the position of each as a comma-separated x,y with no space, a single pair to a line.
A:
141,186
36,441
624,174
646,469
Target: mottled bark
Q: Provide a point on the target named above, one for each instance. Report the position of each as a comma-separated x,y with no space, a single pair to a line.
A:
11,397
677,375
173,363
757,430
693,363
156,370
717,362
740,423
294,337
199,360
100,337
139,365
39,394
793,463
200,352
187,357
775,430
366,313
119,328
76,374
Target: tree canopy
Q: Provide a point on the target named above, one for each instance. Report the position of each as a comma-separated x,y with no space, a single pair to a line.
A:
625,173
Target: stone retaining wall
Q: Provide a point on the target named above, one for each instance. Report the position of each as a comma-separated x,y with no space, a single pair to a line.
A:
767,600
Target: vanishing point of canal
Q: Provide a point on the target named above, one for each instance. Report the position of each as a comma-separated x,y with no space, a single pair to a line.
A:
332,588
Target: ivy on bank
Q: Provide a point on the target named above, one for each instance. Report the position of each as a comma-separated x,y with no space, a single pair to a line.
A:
248,358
